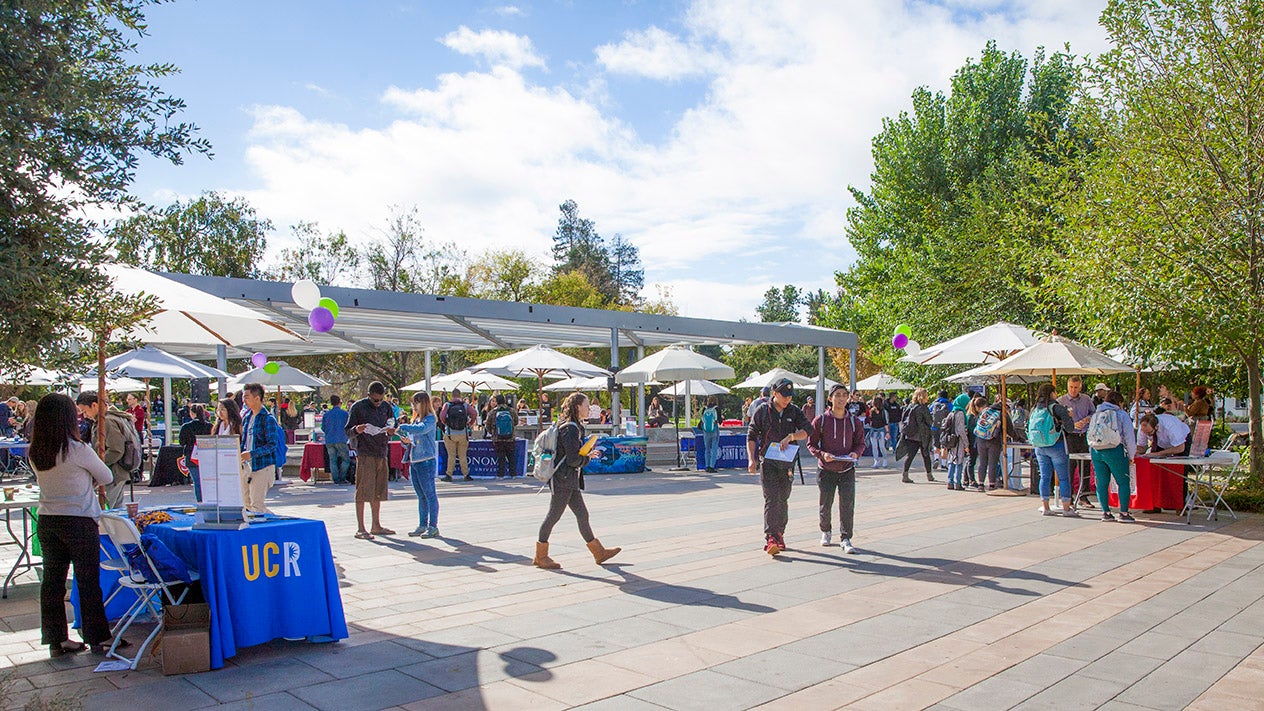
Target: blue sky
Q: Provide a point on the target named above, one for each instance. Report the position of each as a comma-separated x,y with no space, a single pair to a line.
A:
719,136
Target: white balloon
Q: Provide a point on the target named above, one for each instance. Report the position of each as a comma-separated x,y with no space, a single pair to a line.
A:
306,293
913,348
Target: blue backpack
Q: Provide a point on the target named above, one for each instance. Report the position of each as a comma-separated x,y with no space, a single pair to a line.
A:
1042,428
504,423
710,420
278,434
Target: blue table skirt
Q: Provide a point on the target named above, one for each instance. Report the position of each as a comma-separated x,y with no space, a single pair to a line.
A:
732,451
273,579
482,456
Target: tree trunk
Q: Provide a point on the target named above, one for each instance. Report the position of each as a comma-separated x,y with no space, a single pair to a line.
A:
1255,387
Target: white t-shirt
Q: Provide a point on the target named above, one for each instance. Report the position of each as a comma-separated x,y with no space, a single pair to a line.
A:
594,412
1171,432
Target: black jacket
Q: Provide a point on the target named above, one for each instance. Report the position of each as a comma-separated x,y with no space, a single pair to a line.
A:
568,463
916,424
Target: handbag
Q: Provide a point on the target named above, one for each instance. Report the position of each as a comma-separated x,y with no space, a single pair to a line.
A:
169,566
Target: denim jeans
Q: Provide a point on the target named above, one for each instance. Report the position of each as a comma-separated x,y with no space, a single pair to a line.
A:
876,437
1054,459
422,475
196,476
893,429
339,461
711,444
954,474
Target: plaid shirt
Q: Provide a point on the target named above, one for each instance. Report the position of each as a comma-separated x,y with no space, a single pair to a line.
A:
263,454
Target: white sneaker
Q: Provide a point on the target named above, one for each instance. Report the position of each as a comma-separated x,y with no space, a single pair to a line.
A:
825,538
847,547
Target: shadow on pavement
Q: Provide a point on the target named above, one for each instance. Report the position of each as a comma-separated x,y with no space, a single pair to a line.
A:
638,586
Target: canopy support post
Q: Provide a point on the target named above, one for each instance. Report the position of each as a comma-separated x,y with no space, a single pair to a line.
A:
820,380
851,369
428,373
221,362
615,398
640,398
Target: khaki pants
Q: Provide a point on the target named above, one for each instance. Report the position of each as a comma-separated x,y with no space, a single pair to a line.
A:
458,447
254,487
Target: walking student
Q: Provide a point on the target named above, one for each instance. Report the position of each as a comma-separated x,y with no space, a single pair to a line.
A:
372,456
709,423
837,441
500,423
876,431
1112,445
775,423
895,410
953,439
567,484
259,438
457,416
916,434
337,448
70,477
418,436
1045,429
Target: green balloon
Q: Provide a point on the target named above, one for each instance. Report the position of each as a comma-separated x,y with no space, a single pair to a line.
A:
331,305
271,367
903,329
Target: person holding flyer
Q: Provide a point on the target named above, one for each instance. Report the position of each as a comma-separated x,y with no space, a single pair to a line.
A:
775,425
837,441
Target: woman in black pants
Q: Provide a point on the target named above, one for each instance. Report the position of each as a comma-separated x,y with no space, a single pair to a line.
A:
568,483
915,434
70,474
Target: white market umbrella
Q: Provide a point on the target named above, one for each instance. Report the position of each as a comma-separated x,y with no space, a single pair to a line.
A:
286,375
694,387
1057,355
464,380
977,376
675,363
882,381
541,362
763,380
34,376
986,345
114,385
578,384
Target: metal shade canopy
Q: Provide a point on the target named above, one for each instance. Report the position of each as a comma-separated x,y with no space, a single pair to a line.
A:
986,345
882,381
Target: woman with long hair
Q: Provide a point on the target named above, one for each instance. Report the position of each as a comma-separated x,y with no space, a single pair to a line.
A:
567,484
228,418
418,435
953,437
876,431
915,434
27,425
1049,421
69,474
976,407
189,432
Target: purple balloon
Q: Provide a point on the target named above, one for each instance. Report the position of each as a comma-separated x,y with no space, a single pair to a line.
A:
321,319
258,359
900,341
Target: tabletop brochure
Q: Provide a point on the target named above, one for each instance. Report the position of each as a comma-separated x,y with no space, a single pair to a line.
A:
219,468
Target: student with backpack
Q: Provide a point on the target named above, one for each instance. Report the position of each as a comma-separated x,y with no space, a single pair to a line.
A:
939,411
500,424
709,423
916,435
837,440
1112,444
973,410
953,438
122,444
1049,421
876,431
987,436
567,483
456,417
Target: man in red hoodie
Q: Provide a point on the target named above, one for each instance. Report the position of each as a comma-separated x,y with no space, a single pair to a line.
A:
837,441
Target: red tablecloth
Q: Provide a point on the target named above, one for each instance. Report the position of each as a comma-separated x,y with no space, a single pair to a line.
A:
314,457
1158,486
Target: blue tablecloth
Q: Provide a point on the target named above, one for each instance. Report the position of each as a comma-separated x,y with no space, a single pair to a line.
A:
273,579
617,455
732,451
482,456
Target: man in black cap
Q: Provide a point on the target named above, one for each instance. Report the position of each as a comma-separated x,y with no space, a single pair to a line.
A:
776,423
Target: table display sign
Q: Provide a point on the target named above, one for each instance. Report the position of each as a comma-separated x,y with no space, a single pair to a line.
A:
1202,437
617,455
219,467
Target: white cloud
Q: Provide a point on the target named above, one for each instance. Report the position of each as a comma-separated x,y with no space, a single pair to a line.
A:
655,54
497,47
509,11
748,189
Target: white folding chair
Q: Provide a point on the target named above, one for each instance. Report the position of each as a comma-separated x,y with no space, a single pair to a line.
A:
150,597
1215,477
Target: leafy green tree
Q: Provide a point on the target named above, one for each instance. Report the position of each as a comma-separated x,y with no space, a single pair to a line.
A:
780,304
626,271
325,258
77,113
212,234
508,275
569,289
946,232
1172,208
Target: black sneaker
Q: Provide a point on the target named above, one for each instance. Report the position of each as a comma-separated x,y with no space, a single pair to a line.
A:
447,478
1126,517
1107,516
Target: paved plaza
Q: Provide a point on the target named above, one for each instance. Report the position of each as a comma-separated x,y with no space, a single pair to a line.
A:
956,600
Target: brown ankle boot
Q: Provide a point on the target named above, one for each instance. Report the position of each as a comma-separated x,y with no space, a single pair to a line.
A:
542,559
601,554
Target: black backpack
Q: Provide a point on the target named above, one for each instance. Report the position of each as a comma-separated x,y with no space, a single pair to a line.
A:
458,416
